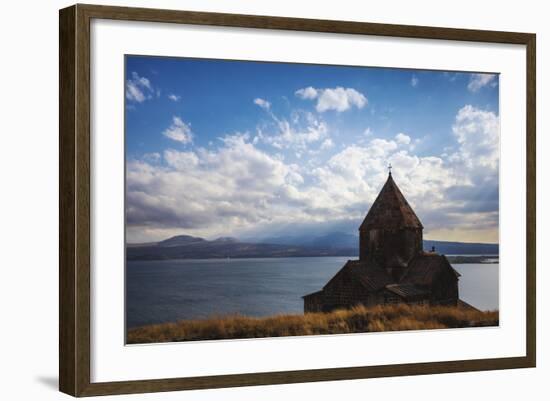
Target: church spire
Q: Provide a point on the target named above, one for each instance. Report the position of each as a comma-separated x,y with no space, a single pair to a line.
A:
390,210
391,232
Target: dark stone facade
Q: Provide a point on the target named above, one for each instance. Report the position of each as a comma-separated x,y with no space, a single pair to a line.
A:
392,267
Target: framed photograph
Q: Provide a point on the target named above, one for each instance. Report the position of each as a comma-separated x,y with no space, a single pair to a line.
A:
250,200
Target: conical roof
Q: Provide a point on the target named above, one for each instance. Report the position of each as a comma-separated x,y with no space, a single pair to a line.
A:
390,210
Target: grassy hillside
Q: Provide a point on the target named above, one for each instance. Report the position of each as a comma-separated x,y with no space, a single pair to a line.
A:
357,320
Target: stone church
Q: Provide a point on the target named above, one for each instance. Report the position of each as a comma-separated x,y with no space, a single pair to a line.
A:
392,266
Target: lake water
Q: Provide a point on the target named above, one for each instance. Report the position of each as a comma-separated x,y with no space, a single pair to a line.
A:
170,290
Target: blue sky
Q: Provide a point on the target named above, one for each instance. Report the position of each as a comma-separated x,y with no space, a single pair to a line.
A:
244,149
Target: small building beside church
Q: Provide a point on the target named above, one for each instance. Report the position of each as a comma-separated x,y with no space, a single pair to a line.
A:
392,266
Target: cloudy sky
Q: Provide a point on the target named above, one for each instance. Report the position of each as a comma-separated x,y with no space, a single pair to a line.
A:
245,149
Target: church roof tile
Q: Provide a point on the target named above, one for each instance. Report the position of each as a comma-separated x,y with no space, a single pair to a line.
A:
390,210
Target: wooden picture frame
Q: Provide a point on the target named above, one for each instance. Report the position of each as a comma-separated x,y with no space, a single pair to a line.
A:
74,199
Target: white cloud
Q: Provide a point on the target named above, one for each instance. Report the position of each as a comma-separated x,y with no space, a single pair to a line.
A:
133,93
179,131
291,137
144,82
264,104
478,81
414,81
152,157
237,186
352,178
174,98
338,99
233,186
402,139
180,160
382,146
298,132
138,89
477,133
327,144
307,93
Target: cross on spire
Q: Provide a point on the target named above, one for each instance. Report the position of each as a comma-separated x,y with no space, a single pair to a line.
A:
389,168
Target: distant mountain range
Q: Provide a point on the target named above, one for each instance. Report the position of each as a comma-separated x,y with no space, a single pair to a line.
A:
187,247
350,241
332,244
328,240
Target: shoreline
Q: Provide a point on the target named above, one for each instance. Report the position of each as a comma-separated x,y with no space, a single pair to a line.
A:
359,319
457,259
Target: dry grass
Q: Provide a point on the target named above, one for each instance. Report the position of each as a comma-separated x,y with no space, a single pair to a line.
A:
357,320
